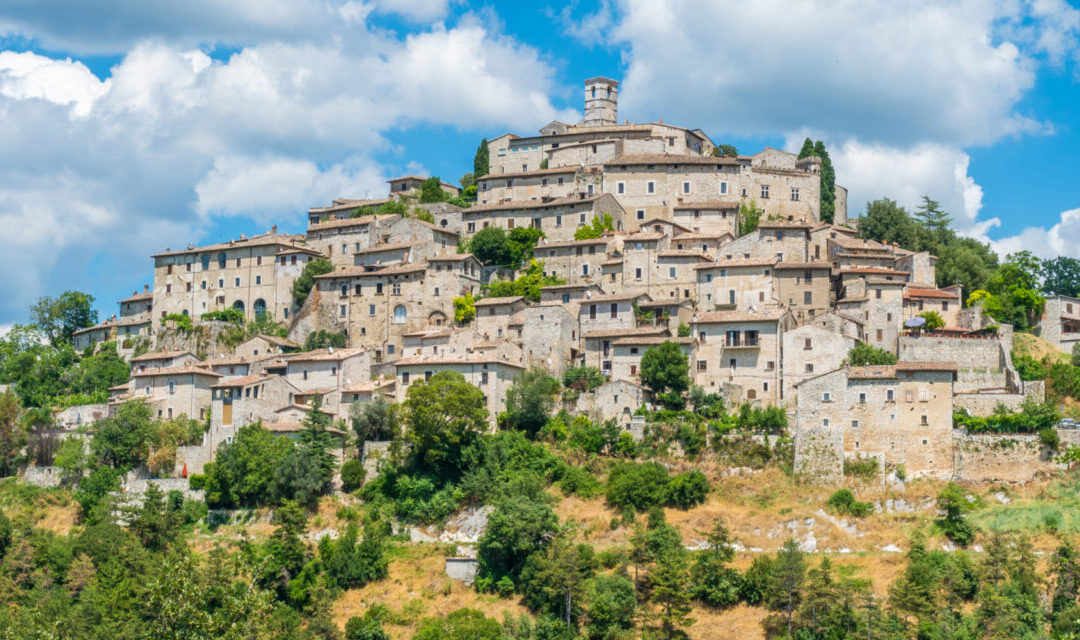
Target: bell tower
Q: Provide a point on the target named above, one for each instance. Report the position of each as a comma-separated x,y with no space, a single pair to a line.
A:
601,102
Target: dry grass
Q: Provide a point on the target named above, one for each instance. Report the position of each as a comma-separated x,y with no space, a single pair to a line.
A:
1036,347
49,509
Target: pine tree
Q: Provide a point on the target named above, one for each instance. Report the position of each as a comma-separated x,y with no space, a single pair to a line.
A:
932,217
316,440
828,183
807,149
481,161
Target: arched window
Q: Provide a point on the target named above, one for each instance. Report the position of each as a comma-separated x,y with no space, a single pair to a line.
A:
184,312
260,309
400,315
239,304
221,261
205,261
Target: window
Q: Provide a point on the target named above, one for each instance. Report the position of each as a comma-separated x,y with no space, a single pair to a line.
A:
877,294
807,344
637,273
592,312
341,310
862,398
400,314
614,310
258,280
925,421
764,192
558,220
650,187
944,306
825,422
371,310
344,290
471,227
584,269
890,396
671,272
172,387
304,374
880,335
633,351
794,193
723,188
686,187
733,363
640,214
770,365
237,281
389,349
357,290
701,365
395,289
924,395
620,188
909,396
808,297
809,367
404,377
826,397
483,377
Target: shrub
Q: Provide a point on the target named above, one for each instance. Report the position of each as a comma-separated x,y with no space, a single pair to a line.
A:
1049,437
583,378
864,354
322,339
230,314
577,481
182,321
352,475
862,466
637,486
955,503
843,502
687,489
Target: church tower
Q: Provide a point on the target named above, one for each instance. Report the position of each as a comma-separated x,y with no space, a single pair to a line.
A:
601,102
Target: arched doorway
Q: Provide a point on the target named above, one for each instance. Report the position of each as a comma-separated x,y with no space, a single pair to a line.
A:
260,309
239,304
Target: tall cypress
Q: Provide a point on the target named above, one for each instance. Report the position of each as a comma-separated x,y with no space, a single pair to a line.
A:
807,149
481,161
828,182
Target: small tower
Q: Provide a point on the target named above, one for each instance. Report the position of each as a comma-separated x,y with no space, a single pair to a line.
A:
601,102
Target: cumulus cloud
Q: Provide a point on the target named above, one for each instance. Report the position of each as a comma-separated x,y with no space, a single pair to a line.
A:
173,140
1062,239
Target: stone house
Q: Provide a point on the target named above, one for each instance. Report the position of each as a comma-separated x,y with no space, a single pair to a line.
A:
410,186
549,337
326,371
576,261
772,240
175,391
162,360
254,275
558,218
710,218
651,185
640,253
804,288
674,274
946,302
493,315
343,208
737,284
236,402
263,344
433,239
523,186
626,353
614,400
809,351
341,238
612,311
492,375
599,344
739,352
1060,322
879,304
705,242
900,414
570,295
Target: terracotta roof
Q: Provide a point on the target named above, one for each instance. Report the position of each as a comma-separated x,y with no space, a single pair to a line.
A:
108,324
617,297
370,386
676,225
428,333
634,340
176,371
873,270
665,303
325,355
531,204
528,174
560,287
768,315
294,427
575,243
783,224
612,261
264,240
485,302
239,382
159,355
468,358
352,272
381,248
803,265
848,242
739,262
619,333
338,223
347,204
871,372
695,235
911,292
926,366
281,342
516,320
145,295
450,257
663,158
712,204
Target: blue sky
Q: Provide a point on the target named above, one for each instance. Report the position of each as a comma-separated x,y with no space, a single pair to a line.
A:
125,128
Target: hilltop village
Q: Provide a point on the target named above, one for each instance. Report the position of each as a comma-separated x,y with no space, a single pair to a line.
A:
628,238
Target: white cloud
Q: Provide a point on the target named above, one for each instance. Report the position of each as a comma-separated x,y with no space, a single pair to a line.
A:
417,10
172,139
1062,239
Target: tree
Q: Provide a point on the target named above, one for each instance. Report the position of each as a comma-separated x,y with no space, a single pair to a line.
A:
528,284
888,223
285,552
431,191
156,522
863,354
93,489
666,370
376,419
554,580
610,608
783,591
96,373
936,221
481,164
967,262
716,584
725,151
12,437
516,528
71,459
1061,276
302,286
530,401
444,415
351,563
464,309
123,441
828,183
316,440
671,590
242,473
60,317
807,149
491,246
366,627
749,216
322,339
934,321
601,224
954,503
522,242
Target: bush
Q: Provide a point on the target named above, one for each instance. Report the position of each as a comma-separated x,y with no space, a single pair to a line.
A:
864,354
583,378
637,486
862,466
233,315
579,482
687,489
843,502
322,339
352,475
954,503
1049,437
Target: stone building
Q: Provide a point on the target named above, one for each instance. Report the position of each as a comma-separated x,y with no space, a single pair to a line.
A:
946,302
490,374
493,315
773,239
341,238
558,218
175,391
627,351
736,284
804,288
809,351
739,352
240,401
576,261
549,336
254,275
410,186
899,414
1060,322
127,331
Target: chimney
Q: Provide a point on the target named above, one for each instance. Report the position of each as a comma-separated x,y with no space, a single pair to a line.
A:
146,288
273,229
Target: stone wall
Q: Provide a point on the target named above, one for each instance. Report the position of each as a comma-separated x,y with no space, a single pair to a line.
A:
1006,457
45,477
819,455
967,353
373,452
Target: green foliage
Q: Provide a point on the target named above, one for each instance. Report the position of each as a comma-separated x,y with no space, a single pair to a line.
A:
1034,416
583,378
58,318
463,624
443,415
5,534
637,486
322,339
600,225
725,151
123,441
231,314
684,330
464,309
1060,276
934,321
93,490
366,627
828,183
748,217
157,522
527,284
554,579
530,401
491,246
349,562
592,437
391,208
843,502
611,605
1011,293
183,322
577,481
242,473
481,160
861,466
302,286
863,354
431,191
423,215
716,584
954,503
666,370
516,528
687,489
376,419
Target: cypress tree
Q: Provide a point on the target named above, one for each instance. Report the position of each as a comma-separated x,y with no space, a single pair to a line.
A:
828,182
481,161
